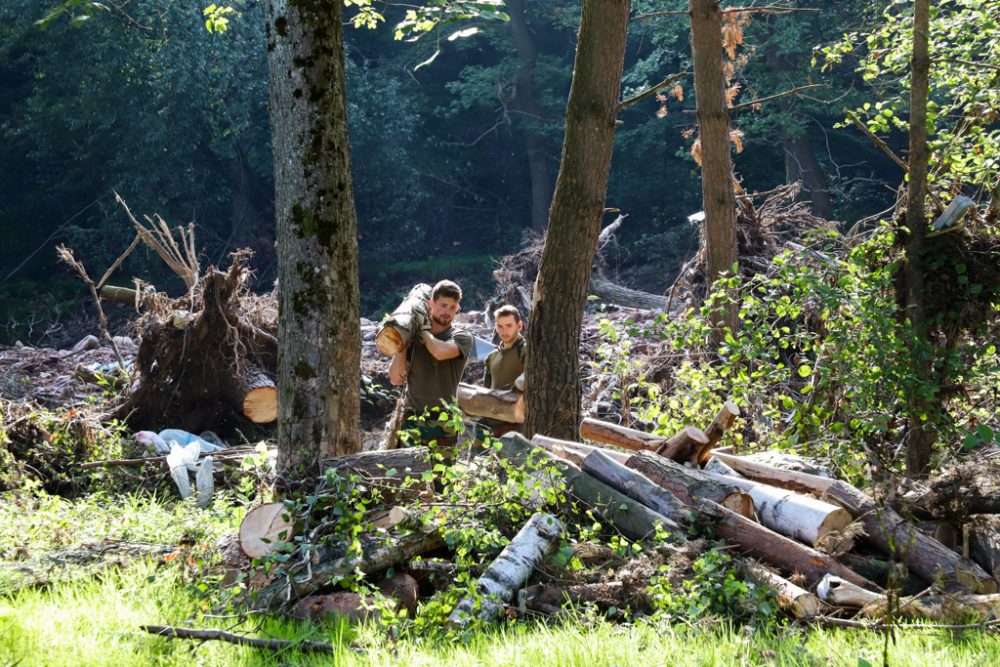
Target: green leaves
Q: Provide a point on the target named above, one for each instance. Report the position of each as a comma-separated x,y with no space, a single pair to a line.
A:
216,18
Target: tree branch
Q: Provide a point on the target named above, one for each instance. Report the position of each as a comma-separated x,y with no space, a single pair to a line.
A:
769,9
851,116
965,62
769,98
651,15
171,632
673,78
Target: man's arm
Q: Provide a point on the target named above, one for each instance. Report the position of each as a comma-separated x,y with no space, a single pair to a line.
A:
398,368
442,350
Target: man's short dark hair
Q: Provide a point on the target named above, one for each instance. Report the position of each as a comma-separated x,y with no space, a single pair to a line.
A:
503,311
448,289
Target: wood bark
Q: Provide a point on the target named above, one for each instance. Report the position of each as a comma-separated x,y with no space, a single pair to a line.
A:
718,197
722,422
886,530
574,452
319,331
610,292
635,485
794,515
794,599
508,573
677,447
395,333
549,599
553,402
260,397
685,483
628,516
782,552
507,405
920,434
394,463
984,543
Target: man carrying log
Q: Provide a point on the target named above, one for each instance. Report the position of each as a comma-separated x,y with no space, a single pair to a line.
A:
505,364
432,365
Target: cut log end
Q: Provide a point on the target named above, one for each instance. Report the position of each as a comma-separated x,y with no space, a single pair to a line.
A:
388,341
260,405
263,527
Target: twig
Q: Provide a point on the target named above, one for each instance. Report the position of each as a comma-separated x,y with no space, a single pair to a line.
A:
851,116
650,91
769,98
769,9
965,62
118,262
158,237
879,626
171,632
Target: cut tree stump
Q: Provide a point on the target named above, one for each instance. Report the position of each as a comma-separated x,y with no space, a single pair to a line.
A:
888,531
794,515
263,528
399,328
508,573
688,484
260,397
507,405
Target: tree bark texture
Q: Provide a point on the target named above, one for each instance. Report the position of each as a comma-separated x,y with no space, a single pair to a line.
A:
796,600
553,378
319,335
719,200
530,115
886,530
507,405
575,452
920,434
635,485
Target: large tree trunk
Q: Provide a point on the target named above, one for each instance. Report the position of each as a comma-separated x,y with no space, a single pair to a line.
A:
892,535
530,116
920,434
718,197
801,165
319,334
553,379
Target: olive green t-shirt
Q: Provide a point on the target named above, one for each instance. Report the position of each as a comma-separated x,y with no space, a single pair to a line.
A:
429,380
504,365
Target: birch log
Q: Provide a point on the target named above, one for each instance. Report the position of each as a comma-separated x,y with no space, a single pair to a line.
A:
630,517
574,452
509,572
636,485
507,405
794,599
395,333
687,484
889,532
935,607
794,515
723,422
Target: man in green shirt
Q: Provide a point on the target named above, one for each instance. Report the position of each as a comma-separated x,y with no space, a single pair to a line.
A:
433,364
505,364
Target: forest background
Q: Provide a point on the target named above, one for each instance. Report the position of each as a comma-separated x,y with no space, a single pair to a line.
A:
454,141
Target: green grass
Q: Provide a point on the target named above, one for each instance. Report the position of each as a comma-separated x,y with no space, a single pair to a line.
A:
94,619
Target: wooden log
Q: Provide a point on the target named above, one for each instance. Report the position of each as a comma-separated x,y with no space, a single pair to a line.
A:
508,573
935,607
984,542
688,484
399,328
392,463
263,528
379,553
636,485
574,452
794,599
125,295
886,530
677,447
630,517
843,593
260,397
794,515
507,405
723,422
782,552
549,599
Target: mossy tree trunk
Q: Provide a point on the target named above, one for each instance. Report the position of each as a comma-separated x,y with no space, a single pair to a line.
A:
718,197
920,432
319,337
553,377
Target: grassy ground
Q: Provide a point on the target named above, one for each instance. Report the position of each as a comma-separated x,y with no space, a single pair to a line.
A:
95,619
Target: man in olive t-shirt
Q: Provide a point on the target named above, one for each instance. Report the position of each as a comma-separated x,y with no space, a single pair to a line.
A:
505,364
433,365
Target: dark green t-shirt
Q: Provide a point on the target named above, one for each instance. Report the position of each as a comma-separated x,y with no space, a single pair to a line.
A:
504,365
429,380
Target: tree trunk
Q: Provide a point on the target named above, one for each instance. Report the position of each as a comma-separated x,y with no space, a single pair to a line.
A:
628,516
637,486
395,463
530,116
508,573
553,378
574,452
718,198
319,333
920,434
610,292
893,536
507,405
801,165
685,483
